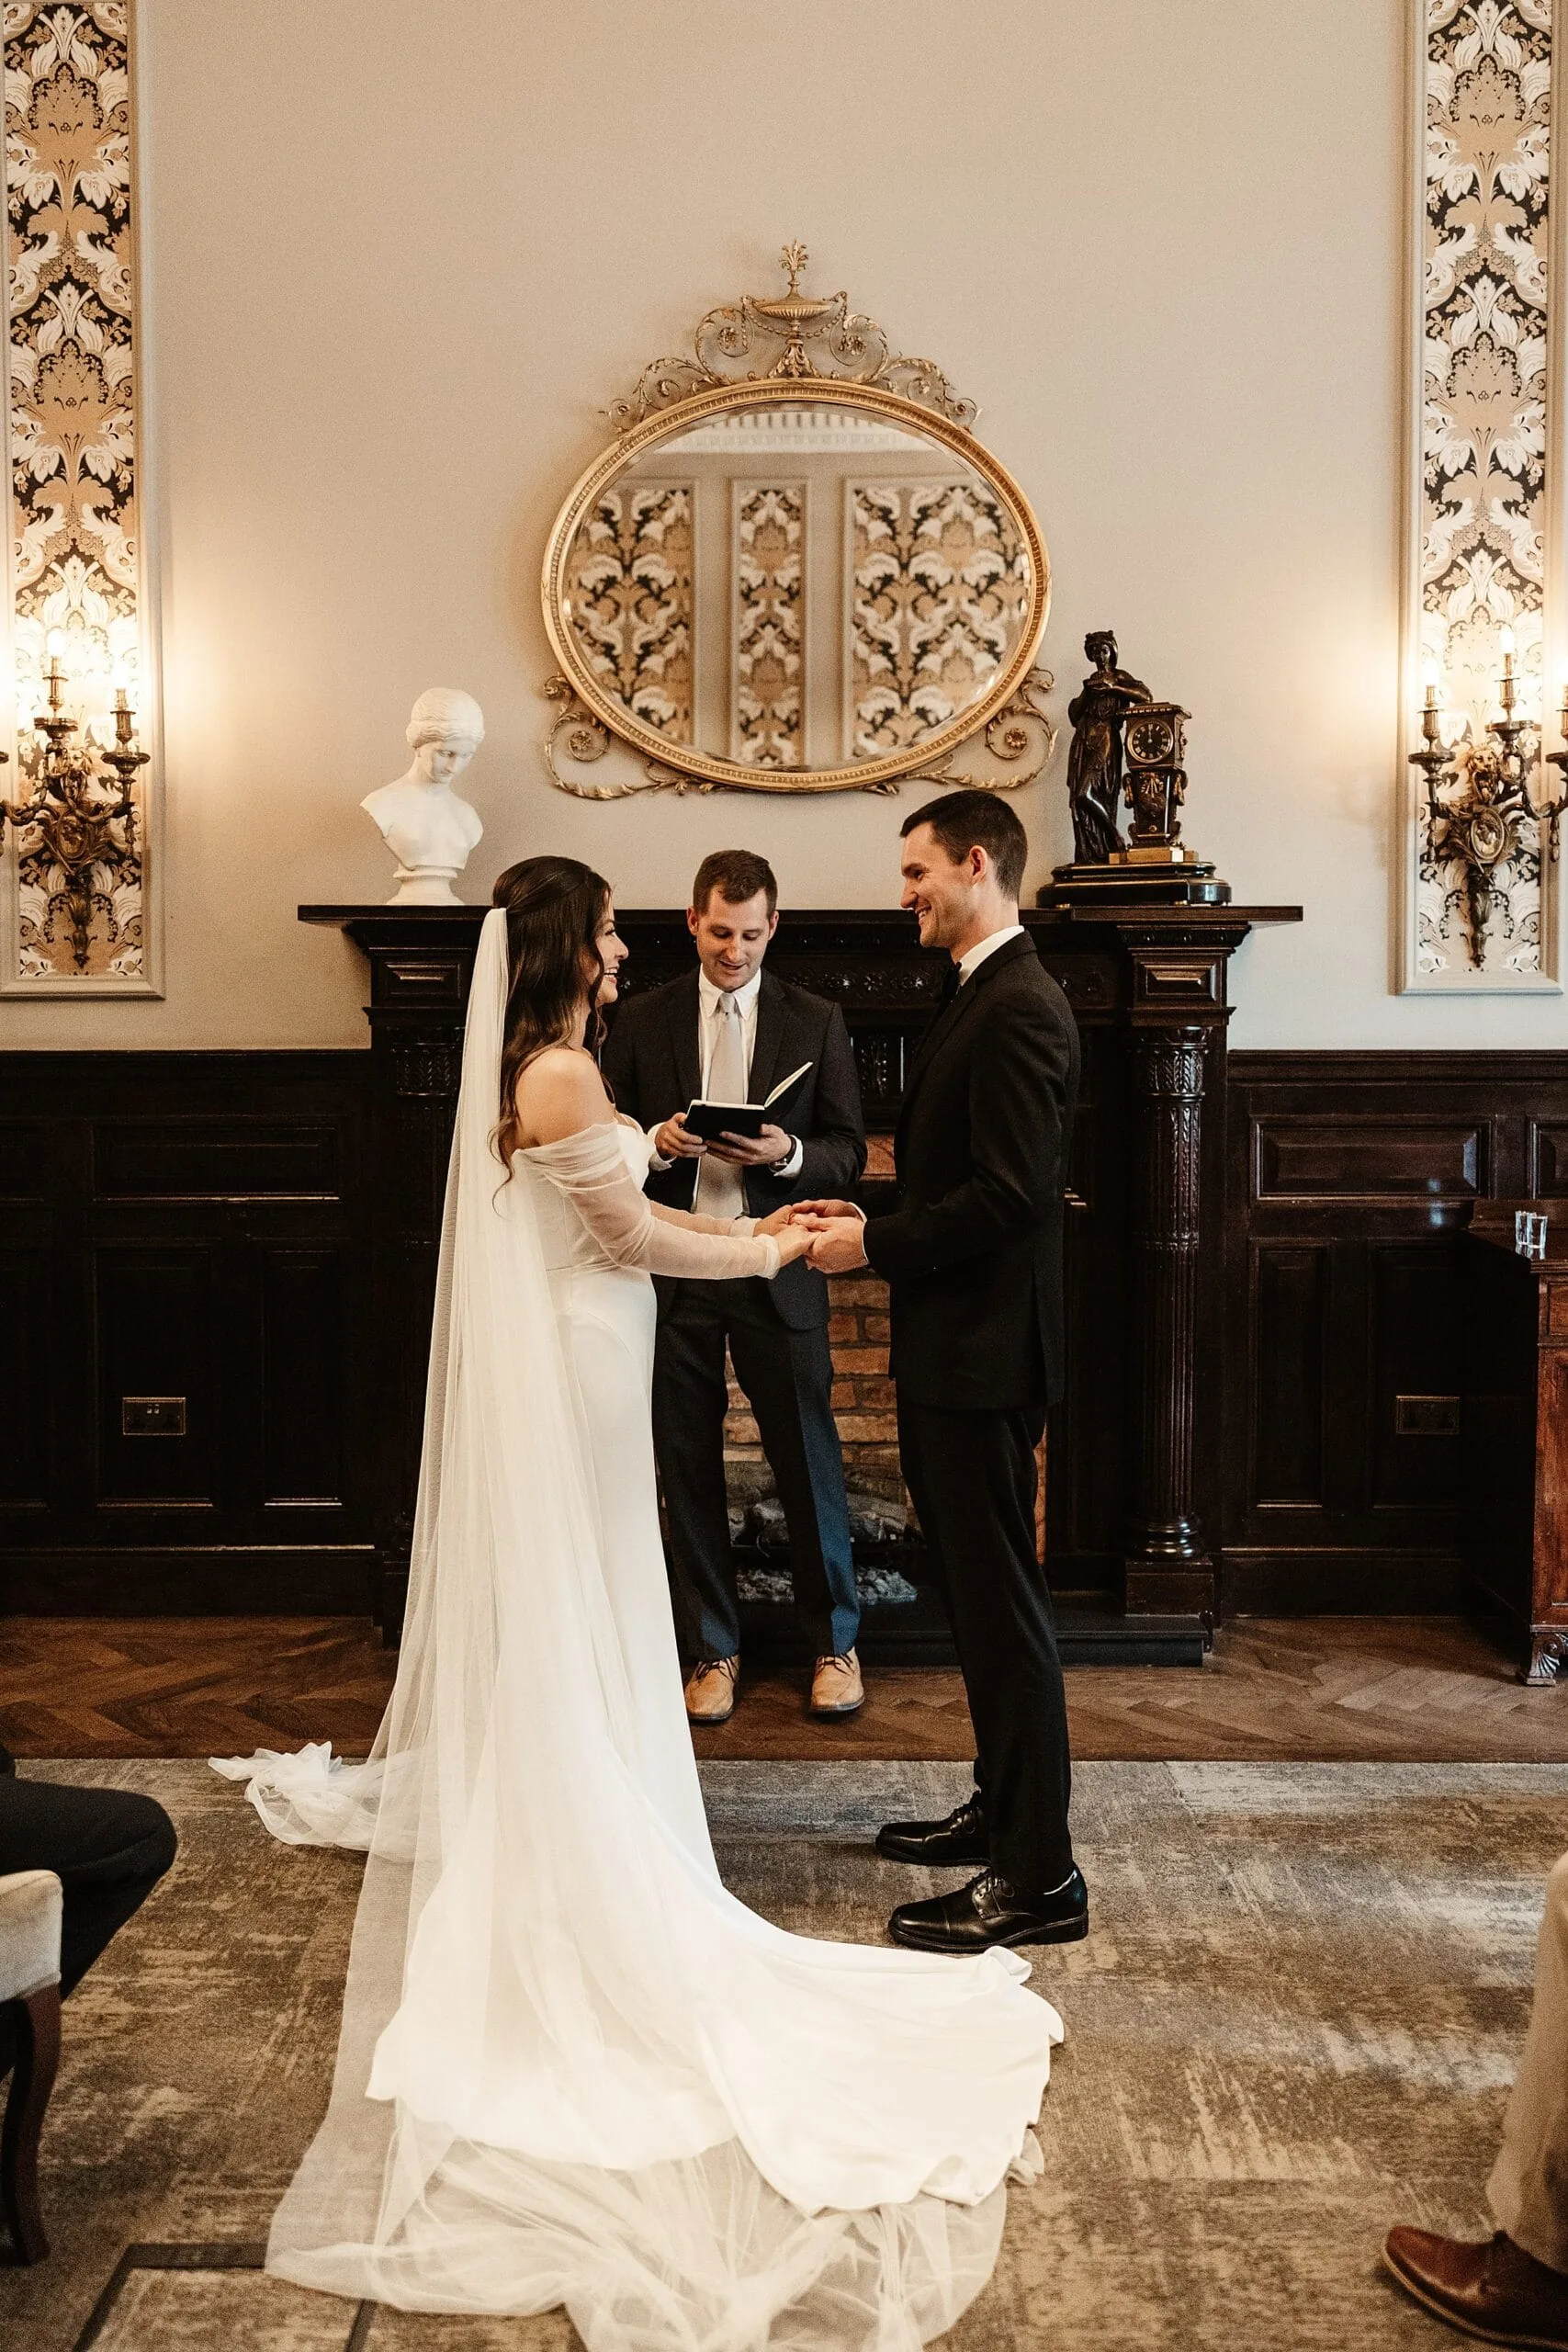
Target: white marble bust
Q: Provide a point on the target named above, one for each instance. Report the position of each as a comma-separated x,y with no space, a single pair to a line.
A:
427,828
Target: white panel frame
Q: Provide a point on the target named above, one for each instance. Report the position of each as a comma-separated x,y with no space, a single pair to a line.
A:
149,982
1409,798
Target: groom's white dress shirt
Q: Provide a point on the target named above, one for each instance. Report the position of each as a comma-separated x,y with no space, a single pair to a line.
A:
721,1188
970,963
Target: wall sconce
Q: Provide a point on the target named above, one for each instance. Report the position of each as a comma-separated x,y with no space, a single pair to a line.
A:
85,825
1479,823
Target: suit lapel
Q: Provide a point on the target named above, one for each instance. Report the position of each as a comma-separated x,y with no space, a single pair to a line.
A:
682,1012
766,1039
947,1021
952,1017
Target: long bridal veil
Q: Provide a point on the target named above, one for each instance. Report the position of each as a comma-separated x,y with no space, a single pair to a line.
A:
572,2069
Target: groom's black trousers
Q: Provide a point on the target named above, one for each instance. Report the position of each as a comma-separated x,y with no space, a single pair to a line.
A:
972,1479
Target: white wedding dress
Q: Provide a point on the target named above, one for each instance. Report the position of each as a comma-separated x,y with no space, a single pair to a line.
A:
573,2069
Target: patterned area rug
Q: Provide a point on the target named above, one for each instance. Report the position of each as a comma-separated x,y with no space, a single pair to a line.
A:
1295,2023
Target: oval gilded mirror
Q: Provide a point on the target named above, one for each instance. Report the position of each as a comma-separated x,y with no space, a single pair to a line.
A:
797,582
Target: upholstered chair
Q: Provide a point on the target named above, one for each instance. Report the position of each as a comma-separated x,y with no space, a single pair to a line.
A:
31,1906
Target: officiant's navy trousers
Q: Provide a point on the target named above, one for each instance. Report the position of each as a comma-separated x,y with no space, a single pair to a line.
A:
788,1379
973,1478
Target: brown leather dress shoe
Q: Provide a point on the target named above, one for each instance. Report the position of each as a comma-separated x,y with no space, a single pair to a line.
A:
1496,2292
836,1687
710,1690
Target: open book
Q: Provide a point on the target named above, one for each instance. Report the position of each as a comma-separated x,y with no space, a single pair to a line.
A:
711,1120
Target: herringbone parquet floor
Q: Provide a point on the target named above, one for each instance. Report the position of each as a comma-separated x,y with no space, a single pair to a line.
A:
1410,1688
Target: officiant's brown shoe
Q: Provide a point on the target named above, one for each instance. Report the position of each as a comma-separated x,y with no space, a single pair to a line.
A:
836,1687
710,1690
1495,2290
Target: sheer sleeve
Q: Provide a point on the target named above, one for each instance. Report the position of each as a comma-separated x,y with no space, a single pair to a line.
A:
590,1168
695,1221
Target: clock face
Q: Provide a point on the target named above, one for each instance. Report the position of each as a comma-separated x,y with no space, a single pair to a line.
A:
1150,741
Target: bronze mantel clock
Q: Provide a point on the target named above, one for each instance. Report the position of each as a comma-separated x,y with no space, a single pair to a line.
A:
1128,747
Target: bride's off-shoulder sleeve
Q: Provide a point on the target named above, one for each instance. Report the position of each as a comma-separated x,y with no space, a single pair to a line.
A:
590,1168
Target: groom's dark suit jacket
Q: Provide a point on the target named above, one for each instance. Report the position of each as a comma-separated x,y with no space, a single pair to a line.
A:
653,1062
973,1250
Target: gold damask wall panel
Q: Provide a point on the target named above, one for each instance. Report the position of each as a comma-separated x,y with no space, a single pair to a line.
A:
1486,436
940,582
768,729
76,558
629,582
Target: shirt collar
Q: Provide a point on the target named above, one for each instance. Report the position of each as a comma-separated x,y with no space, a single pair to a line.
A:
969,964
744,998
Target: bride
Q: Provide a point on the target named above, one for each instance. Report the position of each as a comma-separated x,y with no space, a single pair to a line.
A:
572,2067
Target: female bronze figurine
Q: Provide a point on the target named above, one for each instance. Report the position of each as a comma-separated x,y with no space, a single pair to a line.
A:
1094,762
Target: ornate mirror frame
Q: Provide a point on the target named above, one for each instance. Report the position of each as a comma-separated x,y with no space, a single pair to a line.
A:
829,357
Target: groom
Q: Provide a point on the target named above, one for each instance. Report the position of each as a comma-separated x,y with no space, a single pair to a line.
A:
972,1257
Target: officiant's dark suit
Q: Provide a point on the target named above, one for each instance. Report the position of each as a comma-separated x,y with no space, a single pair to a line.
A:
972,1257
777,1331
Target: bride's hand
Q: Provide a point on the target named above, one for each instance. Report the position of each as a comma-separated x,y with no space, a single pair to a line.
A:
777,1223
794,1240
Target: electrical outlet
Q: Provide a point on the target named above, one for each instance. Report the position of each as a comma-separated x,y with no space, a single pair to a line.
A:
153,1416
1426,1417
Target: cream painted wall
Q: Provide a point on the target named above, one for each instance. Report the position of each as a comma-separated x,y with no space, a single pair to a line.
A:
401,251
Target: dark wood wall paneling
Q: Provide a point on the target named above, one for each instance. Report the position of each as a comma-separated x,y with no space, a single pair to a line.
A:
195,1226
1350,1177
182,1282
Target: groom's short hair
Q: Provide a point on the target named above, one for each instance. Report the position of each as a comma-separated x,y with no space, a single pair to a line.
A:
737,874
965,820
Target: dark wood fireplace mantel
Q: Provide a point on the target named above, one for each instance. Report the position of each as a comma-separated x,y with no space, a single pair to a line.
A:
1134,1446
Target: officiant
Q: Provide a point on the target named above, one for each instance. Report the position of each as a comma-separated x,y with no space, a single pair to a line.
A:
730,1032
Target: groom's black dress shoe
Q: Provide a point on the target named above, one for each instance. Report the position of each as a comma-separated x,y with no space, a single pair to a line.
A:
942,1845
988,1911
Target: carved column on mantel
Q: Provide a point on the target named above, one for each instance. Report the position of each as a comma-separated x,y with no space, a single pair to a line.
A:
1173,1001
1168,1564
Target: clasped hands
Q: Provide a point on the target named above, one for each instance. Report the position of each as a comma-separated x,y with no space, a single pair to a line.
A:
836,1229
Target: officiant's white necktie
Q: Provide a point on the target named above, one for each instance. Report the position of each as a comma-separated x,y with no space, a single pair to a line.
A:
721,1190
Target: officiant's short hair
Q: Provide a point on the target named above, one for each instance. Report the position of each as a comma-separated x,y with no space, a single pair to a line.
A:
967,820
737,874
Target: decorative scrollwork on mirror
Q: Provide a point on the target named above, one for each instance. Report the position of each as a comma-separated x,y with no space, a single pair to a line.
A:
795,569
795,338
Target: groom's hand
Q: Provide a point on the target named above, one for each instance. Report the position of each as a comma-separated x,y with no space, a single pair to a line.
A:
839,1245
819,1209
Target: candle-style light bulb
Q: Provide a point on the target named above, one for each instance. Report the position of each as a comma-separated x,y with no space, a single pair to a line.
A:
1431,707
54,677
1508,687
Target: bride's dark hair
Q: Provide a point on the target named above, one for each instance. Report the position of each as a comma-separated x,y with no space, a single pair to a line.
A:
554,908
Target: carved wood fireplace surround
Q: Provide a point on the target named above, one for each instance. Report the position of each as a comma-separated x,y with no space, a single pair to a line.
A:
1133,1491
